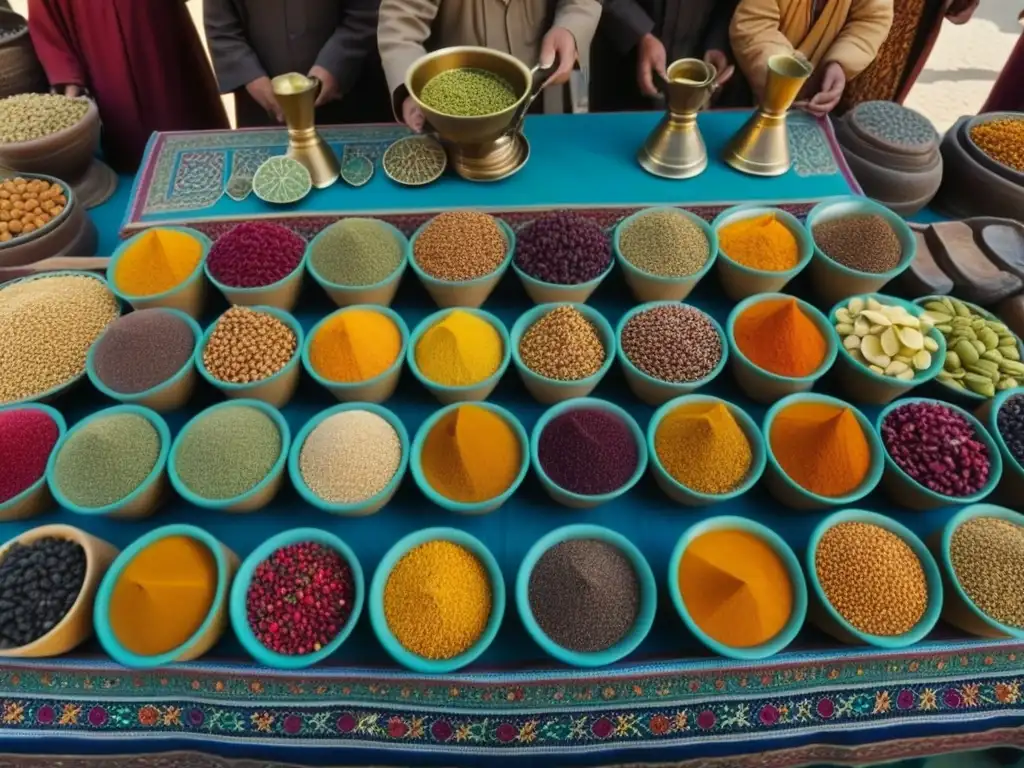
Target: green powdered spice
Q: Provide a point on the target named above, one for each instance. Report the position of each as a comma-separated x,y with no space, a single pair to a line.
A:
468,92
228,452
356,252
107,459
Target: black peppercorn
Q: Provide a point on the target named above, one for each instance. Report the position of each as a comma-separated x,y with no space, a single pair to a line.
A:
39,582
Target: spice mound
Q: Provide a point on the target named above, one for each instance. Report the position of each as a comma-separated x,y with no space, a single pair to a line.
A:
987,554
27,436
47,325
468,92
822,448
163,595
143,350
107,459
350,457
672,342
872,578
886,338
937,447
227,452
778,336
760,242
588,451
460,245
248,345
157,261
862,242
461,350
585,595
255,254
300,598
665,243
27,205
735,587
39,583
1002,140
563,345
702,447
1009,421
471,455
29,116
356,252
355,345
437,600
563,248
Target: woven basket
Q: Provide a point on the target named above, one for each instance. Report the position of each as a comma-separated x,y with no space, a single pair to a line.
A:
20,70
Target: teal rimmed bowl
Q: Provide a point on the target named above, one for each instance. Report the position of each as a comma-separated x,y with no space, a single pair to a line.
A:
382,292
688,496
282,294
37,497
554,293
762,385
391,644
789,630
187,296
260,494
472,392
646,609
656,391
373,390
243,579
462,293
906,491
578,500
166,396
367,506
833,281
740,281
550,391
208,633
275,390
1010,490
143,501
464,507
828,619
648,287
795,496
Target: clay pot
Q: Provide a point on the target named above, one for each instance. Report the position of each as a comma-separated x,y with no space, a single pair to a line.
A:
65,154
70,234
969,189
906,192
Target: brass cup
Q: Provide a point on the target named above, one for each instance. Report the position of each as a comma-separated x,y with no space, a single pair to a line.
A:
675,149
296,94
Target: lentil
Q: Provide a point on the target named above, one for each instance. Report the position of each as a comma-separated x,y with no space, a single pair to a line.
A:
300,598
862,242
1002,140
664,243
255,254
39,583
355,345
701,446
248,345
672,342
356,252
468,92
461,350
27,436
437,600
588,451
760,242
778,336
350,457
937,447
1009,421
584,594
987,554
563,345
460,245
29,116
563,248
872,578
105,460
885,338
27,205
143,350
47,325
157,261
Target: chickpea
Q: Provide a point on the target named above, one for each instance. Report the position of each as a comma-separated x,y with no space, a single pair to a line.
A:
15,226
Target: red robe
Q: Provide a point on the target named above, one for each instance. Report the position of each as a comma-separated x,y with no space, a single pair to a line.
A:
142,60
1007,94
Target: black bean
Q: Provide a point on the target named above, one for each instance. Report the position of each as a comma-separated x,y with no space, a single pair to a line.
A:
39,582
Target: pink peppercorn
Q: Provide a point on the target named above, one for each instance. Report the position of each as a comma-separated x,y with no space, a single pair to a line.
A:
27,436
255,254
299,599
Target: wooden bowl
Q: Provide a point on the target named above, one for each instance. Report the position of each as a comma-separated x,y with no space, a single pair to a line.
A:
72,233
66,154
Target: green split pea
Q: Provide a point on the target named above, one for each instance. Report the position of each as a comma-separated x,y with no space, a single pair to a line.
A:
468,92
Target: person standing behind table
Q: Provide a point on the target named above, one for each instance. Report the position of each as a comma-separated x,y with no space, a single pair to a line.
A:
253,41
1007,93
839,37
531,30
141,60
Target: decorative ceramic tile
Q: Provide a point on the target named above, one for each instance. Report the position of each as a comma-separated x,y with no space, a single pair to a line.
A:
238,187
809,146
415,160
198,180
356,170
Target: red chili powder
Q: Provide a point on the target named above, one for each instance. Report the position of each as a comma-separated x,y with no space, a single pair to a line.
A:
27,435
255,254
777,336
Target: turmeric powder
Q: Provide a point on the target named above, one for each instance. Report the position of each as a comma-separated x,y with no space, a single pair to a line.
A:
157,261
355,345
822,448
760,242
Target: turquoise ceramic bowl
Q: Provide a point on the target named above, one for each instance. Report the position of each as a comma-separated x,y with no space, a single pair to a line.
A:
553,292
789,630
578,500
468,508
831,621
655,391
101,610
679,492
903,489
188,284
648,596
265,488
795,496
1011,486
375,502
357,292
430,282
632,272
240,588
395,649
35,498
477,391
256,294
126,506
